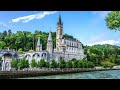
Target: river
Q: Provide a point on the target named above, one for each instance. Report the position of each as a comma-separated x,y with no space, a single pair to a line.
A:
111,74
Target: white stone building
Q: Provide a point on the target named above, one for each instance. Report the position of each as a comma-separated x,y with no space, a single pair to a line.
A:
66,48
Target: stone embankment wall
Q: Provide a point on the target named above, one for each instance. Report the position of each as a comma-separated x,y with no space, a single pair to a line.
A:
23,74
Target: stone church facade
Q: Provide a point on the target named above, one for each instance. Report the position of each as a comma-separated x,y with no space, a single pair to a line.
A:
66,49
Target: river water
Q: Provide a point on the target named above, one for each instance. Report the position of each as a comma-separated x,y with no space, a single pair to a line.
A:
111,74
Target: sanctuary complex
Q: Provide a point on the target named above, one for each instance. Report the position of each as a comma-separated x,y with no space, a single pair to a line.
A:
66,48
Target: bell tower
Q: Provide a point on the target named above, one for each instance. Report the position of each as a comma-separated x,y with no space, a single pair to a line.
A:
59,33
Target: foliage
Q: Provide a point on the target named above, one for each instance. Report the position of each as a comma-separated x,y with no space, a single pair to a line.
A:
14,63
20,50
33,63
2,45
23,63
80,64
106,64
69,64
75,64
90,64
41,63
62,63
113,20
47,64
53,64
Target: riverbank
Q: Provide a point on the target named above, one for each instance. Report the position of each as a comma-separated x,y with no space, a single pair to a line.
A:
23,74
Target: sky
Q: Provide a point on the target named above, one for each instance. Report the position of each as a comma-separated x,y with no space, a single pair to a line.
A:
87,26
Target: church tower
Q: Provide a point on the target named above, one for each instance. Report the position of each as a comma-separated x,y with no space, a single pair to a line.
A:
39,46
59,33
50,43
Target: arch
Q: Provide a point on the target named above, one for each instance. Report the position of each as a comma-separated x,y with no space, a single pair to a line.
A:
44,55
28,57
36,56
7,56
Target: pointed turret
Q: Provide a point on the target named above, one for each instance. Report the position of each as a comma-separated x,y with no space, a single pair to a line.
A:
39,46
50,43
50,36
38,42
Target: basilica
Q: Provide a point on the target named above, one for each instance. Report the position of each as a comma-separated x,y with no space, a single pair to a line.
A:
66,48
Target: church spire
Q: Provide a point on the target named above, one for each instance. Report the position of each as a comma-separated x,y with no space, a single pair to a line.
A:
39,46
50,36
59,19
38,43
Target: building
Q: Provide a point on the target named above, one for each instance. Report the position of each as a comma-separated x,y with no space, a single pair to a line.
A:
66,48
7,57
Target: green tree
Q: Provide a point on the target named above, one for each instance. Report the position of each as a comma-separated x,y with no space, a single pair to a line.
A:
2,44
90,64
33,63
23,63
53,64
14,63
62,63
75,64
80,64
106,64
42,63
69,64
47,64
113,20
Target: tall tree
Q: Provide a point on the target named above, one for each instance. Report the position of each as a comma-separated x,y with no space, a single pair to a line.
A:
113,20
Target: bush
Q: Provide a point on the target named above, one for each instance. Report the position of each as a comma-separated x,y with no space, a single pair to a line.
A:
33,63
14,63
90,64
69,64
53,64
62,63
106,64
23,63
20,50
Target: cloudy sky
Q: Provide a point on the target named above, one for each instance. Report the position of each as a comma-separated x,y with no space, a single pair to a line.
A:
87,26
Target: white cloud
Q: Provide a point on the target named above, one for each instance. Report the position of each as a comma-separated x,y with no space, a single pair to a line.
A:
3,24
28,18
101,14
112,42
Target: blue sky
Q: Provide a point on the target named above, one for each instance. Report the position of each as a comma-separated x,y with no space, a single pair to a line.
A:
87,26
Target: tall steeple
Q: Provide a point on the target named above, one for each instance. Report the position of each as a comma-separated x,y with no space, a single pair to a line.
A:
59,20
50,43
59,33
39,46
